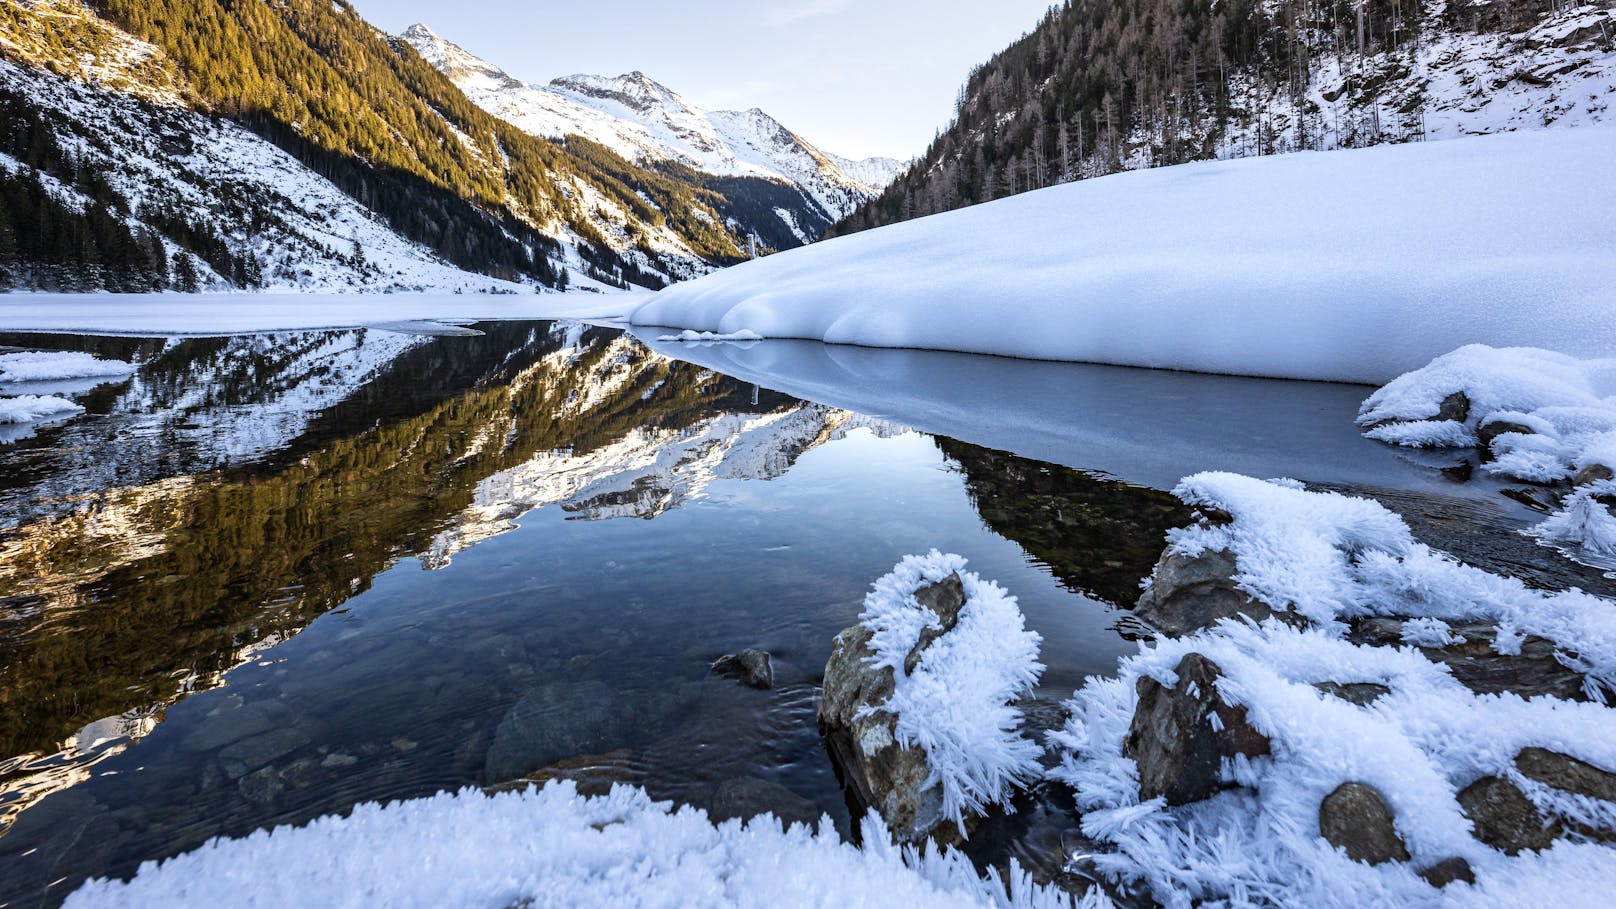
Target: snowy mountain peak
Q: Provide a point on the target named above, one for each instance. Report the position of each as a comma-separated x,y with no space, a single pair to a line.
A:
644,120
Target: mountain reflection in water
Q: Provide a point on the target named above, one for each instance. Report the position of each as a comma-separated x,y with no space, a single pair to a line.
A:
206,628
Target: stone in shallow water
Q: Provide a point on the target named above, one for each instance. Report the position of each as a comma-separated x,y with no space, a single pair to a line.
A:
248,755
1355,818
752,668
1504,817
1180,736
748,797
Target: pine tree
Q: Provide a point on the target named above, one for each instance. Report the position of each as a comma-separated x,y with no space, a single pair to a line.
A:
186,278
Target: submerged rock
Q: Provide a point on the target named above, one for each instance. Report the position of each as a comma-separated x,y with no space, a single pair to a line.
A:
1180,736
1504,818
752,668
1355,818
1189,593
563,720
878,772
748,797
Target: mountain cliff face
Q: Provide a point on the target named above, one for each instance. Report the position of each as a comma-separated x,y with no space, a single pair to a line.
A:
1107,85
206,144
651,125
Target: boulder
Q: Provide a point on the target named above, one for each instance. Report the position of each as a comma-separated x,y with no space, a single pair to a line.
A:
1361,693
752,668
1190,592
945,598
1489,433
1356,818
1504,818
1447,872
1454,407
1593,473
1533,672
1566,773
877,772
1174,739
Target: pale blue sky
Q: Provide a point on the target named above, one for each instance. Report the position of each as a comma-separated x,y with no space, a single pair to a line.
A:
857,77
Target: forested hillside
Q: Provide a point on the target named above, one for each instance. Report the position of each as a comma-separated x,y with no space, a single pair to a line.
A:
1106,85
313,82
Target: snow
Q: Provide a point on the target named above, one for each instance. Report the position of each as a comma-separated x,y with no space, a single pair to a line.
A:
1328,556
48,365
1353,265
956,703
643,120
1568,403
33,408
225,314
695,337
555,848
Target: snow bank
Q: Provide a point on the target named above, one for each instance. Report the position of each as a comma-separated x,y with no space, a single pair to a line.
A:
1350,265
956,702
697,337
1328,556
1566,406
32,408
50,365
227,314
555,848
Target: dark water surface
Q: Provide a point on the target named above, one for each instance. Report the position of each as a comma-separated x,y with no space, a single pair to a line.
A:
270,577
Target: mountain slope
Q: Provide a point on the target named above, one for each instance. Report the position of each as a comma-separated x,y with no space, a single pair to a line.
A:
1107,85
332,103
648,123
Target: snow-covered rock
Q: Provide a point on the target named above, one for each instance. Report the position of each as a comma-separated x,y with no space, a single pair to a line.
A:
1353,265
918,698
1381,777
1536,415
555,848
643,120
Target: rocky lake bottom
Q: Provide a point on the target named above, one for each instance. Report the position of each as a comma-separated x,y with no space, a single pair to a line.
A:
269,577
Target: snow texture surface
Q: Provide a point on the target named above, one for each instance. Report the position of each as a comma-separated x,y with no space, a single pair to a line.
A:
1419,745
1567,404
43,366
1353,265
956,703
33,408
555,848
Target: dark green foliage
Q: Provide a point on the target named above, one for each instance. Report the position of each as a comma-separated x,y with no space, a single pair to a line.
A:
1099,80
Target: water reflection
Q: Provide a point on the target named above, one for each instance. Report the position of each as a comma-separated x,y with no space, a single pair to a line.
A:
213,613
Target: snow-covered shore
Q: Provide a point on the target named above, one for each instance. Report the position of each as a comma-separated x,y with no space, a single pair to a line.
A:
246,313
1352,265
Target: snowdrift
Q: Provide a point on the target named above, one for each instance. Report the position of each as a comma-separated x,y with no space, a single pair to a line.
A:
555,848
1352,265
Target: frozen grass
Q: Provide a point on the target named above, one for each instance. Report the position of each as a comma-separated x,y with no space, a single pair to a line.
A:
555,848
33,408
956,703
40,366
1329,557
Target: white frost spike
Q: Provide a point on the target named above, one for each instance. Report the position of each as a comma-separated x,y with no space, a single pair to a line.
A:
957,703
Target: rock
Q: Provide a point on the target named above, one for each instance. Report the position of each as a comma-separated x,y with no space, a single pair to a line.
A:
1504,818
753,668
1593,473
1535,671
1361,693
878,772
1355,818
945,598
1188,593
1173,738
261,787
558,721
229,724
1448,871
1489,433
594,774
248,755
1455,407
748,797
1566,773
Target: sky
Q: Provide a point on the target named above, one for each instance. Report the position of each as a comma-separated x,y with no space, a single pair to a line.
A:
855,77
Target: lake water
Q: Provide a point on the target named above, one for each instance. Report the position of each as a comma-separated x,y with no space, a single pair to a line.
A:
273,576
